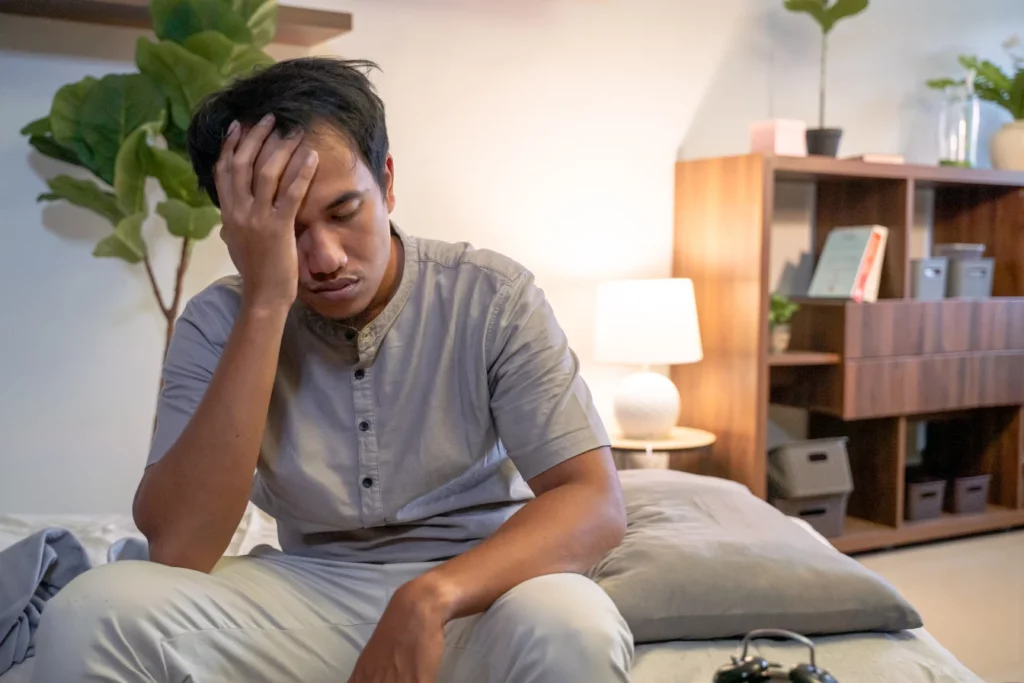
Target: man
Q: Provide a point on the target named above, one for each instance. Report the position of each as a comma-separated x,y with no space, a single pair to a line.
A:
415,420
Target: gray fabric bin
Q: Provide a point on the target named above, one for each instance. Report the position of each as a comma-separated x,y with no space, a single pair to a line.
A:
805,469
928,278
827,514
970,278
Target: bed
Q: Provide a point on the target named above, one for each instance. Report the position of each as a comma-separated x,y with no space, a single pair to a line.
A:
909,656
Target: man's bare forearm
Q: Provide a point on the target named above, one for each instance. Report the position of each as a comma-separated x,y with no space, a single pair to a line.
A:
191,501
567,528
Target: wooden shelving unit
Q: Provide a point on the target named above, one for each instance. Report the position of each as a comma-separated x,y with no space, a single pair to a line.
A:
296,25
865,371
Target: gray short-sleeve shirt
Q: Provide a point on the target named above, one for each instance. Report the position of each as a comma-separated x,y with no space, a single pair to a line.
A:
408,440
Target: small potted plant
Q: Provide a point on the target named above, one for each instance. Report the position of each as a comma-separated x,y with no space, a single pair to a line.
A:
780,313
1004,89
827,13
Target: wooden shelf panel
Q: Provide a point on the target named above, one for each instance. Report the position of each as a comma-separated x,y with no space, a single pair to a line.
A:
862,535
296,25
825,168
800,358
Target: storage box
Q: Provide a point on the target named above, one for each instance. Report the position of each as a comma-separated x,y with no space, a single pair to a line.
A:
785,137
970,278
968,495
806,469
924,499
956,250
827,514
928,278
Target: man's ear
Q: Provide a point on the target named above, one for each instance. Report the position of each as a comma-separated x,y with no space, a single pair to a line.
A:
388,182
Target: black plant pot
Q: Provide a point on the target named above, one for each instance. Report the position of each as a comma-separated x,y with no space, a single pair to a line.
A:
824,141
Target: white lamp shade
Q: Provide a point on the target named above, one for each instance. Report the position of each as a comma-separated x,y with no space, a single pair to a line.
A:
647,322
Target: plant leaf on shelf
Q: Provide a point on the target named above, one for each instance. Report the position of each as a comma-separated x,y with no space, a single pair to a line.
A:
113,110
845,8
178,19
943,83
126,243
84,193
191,222
1016,104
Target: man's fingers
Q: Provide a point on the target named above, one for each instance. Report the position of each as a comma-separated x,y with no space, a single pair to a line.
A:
245,156
270,165
222,169
290,196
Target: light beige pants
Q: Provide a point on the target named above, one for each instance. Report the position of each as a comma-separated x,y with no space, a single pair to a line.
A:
275,618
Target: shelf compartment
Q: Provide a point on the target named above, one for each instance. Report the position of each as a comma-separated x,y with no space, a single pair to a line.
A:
863,535
816,168
296,25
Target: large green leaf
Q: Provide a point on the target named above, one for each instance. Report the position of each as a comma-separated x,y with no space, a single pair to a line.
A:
126,243
185,77
231,59
66,119
132,166
38,127
84,193
177,178
261,18
112,110
49,147
178,19
188,221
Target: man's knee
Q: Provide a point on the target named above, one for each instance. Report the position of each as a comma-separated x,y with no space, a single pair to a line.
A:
569,615
104,610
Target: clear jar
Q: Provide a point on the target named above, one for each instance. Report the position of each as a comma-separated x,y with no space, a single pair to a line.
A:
958,127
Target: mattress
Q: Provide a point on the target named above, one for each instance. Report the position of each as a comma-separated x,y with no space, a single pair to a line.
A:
908,657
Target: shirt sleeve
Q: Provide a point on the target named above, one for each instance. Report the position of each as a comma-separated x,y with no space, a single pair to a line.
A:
542,408
195,350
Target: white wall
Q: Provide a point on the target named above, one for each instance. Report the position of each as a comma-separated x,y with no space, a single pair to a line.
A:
546,129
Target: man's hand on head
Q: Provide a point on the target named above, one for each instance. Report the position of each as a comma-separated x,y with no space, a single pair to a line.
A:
262,179
408,644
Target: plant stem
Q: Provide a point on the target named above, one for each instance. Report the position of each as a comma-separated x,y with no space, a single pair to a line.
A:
154,285
821,89
171,313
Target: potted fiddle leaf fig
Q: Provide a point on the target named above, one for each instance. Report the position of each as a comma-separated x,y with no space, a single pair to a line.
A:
125,128
826,13
780,312
1004,89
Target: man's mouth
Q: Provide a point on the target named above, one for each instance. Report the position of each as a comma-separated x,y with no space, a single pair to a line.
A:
335,291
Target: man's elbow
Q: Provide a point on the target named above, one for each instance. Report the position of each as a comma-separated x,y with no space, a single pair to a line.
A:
174,554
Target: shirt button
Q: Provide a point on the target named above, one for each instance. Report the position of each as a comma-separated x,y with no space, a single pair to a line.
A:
367,483
360,373
364,426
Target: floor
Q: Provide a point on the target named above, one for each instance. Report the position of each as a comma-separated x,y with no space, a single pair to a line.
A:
970,594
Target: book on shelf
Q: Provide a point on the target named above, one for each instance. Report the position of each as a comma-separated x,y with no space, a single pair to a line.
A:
850,266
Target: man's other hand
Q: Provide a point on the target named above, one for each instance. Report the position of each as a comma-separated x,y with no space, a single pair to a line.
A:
408,644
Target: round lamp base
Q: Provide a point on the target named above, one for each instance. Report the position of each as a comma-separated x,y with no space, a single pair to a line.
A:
646,406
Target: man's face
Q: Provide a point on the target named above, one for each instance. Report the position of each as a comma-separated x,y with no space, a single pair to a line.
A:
343,231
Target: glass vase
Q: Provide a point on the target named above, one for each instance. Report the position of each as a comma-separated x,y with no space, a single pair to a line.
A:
958,128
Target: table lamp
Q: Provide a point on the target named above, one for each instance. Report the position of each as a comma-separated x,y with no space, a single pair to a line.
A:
645,323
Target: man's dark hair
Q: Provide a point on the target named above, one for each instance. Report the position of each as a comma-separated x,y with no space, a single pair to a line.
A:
301,94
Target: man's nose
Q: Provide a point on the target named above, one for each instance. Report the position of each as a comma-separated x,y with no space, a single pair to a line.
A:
326,256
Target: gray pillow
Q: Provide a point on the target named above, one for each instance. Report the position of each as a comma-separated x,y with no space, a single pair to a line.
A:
703,558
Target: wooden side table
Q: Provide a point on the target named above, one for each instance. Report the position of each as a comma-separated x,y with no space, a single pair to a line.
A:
685,449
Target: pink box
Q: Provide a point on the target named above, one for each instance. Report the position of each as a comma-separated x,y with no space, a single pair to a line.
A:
785,137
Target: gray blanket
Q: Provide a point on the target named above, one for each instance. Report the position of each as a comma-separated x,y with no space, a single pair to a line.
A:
32,571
